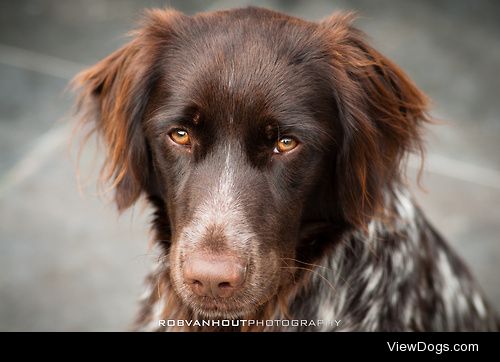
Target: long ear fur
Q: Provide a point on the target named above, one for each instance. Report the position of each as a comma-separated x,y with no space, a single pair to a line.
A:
380,114
113,95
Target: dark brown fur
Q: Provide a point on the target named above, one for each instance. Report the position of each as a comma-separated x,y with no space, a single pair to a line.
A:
238,80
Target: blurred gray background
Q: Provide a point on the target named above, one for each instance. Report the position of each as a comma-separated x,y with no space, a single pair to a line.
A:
68,262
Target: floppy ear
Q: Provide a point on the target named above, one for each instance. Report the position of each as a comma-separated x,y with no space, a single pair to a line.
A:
113,97
380,114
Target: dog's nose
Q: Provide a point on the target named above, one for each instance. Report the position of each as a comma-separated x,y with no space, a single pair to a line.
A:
217,276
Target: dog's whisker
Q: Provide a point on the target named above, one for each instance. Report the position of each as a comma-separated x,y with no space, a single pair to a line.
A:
310,264
323,267
314,272
163,258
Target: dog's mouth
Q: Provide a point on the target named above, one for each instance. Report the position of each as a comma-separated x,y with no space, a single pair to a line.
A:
214,308
246,302
223,285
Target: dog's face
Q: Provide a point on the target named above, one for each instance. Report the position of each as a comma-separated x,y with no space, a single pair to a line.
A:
255,132
238,135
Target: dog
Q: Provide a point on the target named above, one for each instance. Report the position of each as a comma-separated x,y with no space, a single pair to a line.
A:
272,150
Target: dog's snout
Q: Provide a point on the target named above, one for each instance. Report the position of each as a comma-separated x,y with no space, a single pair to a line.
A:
218,276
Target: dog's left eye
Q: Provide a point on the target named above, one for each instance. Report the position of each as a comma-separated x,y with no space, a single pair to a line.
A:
285,144
180,137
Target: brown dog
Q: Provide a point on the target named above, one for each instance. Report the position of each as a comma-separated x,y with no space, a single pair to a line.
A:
271,149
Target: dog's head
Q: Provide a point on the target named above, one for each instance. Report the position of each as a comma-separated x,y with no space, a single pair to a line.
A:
259,134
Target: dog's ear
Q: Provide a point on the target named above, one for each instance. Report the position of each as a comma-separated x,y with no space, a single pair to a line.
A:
380,114
113,95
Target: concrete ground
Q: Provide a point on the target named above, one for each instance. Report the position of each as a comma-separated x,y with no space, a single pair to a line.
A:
68,262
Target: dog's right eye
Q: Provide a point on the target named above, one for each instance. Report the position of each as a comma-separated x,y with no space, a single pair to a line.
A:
181,137
285,144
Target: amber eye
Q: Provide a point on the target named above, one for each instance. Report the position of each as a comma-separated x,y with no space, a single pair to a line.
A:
285,144
180,137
